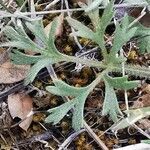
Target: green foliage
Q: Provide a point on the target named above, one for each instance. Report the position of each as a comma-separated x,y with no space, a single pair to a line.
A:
36,68
133,116
121,82
95,4
122,35
48,55
104,22
82,30
110,96
57,113
110,106
98,35
93,14
144,38
135,70
21,58
48,52
64,89
77,103
18,38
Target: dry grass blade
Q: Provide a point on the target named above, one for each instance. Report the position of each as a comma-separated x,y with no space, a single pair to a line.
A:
94,136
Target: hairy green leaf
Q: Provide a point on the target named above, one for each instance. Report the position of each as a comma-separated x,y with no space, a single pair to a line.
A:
144,41
78,117
57,113
122,35
48,54
51,40
21,58
37,29
97,36
36,68
80,94
134,116
19,39
134,70
93,5
106,18
82,30
78,102
64,89
93,14
121,82
104,22
110,106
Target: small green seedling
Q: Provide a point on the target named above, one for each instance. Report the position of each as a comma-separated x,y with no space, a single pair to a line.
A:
48,55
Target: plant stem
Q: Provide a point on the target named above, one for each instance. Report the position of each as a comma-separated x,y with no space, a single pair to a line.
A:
133,70
123,74
98,79
88,62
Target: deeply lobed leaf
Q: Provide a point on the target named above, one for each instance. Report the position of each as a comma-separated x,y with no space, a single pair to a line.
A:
82,30
121,82
97,36
36,68
57,113
37,29
21,58
110,106
77,103
122,35
19,39
63,89
144,41
134,116
50,55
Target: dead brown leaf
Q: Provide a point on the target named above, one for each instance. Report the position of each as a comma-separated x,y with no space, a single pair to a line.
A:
11,73
20,105
144,123
142,101
3,55
146,89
